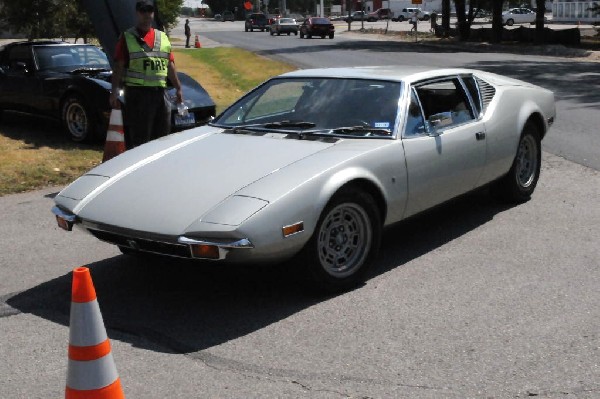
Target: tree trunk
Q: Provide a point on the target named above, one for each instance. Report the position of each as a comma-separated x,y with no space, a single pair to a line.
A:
497,21
463,28
539,21
446,17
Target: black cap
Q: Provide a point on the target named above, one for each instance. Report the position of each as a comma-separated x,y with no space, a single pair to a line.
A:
144,5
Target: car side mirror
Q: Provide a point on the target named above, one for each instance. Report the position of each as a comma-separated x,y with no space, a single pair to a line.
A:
439,121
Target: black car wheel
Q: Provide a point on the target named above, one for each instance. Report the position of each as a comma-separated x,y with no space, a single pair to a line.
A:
345,241
400,18
301,35
331,35
518,185
510,22
78,119
308,35
425,18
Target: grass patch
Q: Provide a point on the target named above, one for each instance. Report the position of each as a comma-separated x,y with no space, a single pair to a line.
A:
35,152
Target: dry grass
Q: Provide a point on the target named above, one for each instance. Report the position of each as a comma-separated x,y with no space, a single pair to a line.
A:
34,152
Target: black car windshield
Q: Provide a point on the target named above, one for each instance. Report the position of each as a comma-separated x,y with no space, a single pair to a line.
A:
70,57
321,105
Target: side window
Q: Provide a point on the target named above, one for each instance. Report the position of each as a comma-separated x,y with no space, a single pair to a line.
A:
20,54
445,97
415,123
473,92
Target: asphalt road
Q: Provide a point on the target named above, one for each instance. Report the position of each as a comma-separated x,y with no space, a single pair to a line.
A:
473,300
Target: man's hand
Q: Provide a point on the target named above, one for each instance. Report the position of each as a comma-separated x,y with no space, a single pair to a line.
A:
114,101
179,95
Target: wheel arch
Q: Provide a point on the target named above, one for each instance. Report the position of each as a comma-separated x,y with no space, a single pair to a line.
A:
365,184
537,120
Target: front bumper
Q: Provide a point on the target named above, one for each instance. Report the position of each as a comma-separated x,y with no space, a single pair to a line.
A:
178,247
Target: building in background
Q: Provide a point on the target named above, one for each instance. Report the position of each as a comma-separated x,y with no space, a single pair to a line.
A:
574,11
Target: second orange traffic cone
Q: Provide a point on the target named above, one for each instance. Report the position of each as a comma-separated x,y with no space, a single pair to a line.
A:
115,136
197,42
91,373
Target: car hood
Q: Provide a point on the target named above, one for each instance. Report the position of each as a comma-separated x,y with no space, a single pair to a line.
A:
180,178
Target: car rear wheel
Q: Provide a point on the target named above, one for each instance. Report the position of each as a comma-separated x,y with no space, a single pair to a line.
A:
331,35
519,183
345,241
78,119
400,18
510,22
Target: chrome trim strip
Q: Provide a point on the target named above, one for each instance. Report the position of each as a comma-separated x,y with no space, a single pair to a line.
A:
244,243
69,217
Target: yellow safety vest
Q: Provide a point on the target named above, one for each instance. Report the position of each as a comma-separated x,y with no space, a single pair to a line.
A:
147,66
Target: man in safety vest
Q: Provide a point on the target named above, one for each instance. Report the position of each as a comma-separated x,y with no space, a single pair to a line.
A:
143,61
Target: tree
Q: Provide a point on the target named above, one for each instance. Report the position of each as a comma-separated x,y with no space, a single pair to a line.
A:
168,11
45,18
497,21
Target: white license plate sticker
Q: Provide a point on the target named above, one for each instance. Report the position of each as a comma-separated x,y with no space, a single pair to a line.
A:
189,119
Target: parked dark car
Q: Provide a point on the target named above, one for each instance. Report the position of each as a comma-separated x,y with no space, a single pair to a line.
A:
317,26
72,82
227,16
256,21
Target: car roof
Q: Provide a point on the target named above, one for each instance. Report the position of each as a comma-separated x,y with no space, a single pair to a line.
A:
42,43
394,73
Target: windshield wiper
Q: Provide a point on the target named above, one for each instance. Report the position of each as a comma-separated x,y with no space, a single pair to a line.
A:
361,129
299,124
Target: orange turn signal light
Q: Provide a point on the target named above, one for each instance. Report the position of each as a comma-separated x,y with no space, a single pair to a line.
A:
293,229
64,224
205,251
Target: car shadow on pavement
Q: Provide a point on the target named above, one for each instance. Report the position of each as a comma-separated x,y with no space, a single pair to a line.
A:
173,306
37,131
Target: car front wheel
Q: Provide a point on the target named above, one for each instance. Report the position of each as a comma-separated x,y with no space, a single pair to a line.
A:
78,119
331,35
519,183
345,241
510,22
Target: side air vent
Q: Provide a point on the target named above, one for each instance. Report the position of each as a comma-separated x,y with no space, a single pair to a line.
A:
487,93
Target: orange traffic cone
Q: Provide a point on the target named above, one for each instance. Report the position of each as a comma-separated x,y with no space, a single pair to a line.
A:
91,373
115,136
197,43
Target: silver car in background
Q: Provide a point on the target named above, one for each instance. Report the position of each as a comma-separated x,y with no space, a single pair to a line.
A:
313,164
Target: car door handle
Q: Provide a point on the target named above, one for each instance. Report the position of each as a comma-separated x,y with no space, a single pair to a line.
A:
480,136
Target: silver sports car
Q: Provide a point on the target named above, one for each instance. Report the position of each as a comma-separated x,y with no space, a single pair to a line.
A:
313,164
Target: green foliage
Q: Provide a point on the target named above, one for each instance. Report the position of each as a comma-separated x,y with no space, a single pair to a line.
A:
168,11
45,18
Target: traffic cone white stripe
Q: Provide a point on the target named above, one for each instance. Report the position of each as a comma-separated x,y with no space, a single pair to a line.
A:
95,374
87,325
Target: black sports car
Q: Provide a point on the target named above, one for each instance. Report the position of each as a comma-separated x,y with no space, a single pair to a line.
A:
71,82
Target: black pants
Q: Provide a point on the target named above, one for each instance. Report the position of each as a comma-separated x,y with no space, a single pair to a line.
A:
187,41
146,115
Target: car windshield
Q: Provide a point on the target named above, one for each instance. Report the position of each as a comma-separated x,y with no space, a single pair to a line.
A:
332,106
286,21
63,56
320,21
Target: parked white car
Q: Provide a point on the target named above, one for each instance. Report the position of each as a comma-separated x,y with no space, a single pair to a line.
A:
313,164
407,13
518,16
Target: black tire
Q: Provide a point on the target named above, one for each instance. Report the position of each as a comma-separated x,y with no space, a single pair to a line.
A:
425,18
301,35
331,35
400,18
345,242
278,33
519,183
79,120
510,22
251,29
308,35
295,33
322,36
